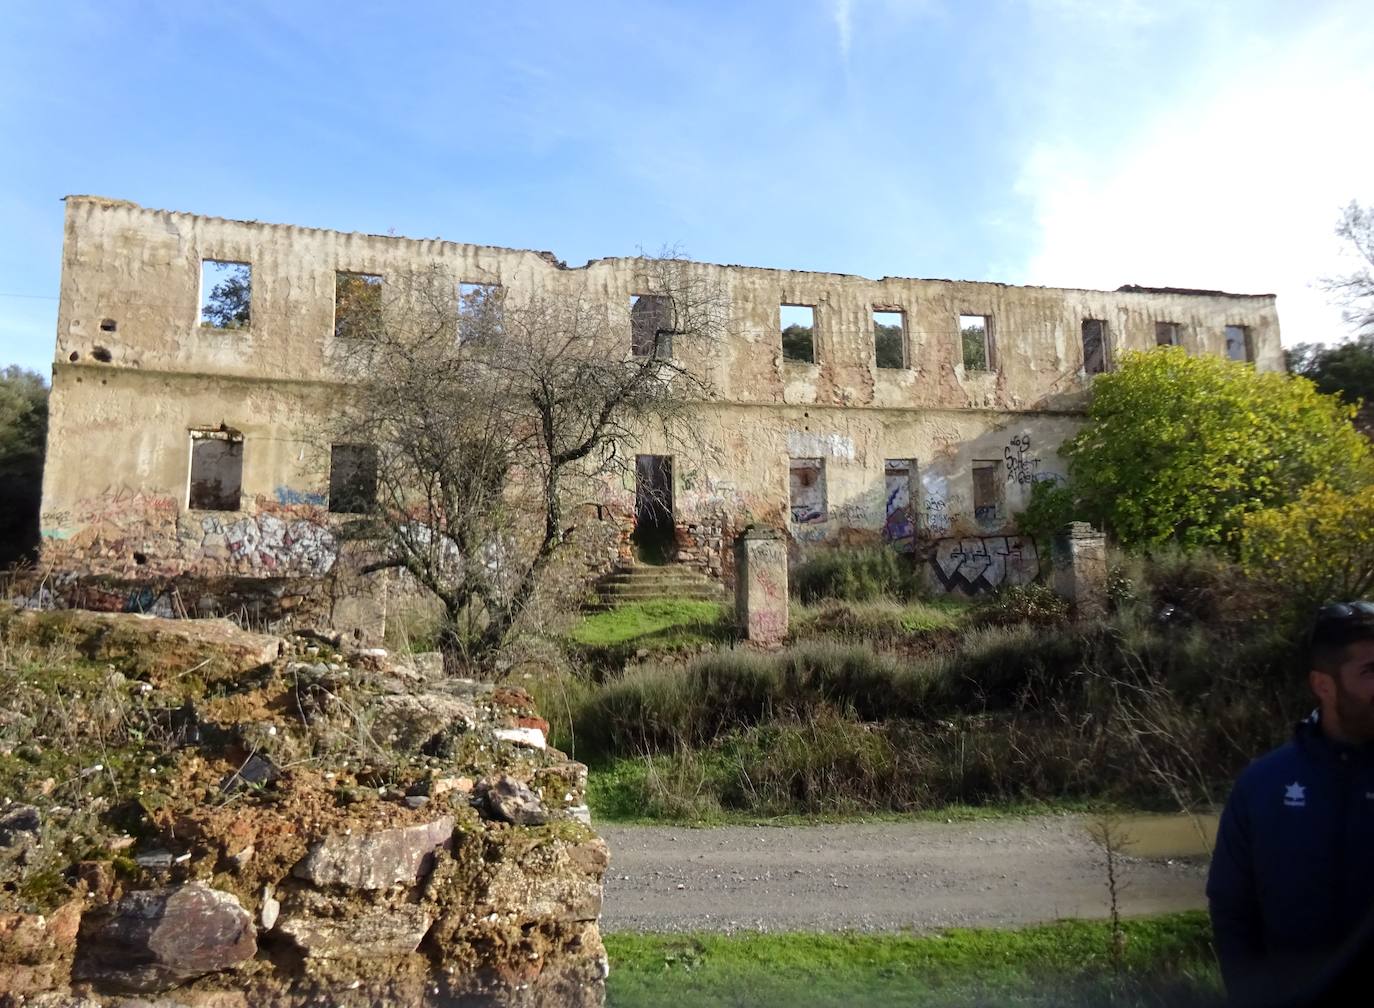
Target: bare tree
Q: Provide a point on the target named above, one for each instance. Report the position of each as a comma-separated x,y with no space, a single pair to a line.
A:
1355,290
490,411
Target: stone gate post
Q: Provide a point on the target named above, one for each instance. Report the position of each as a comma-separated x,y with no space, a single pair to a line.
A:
1079,561
761,585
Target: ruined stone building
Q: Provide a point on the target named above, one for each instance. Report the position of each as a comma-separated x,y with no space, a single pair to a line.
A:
845,410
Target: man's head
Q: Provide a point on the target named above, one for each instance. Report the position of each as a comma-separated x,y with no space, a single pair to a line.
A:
1341,663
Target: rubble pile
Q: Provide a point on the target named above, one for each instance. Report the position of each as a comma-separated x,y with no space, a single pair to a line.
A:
195,815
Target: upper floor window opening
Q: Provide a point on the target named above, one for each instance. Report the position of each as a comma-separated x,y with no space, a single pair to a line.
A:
889,339
798,325
357,305
1168,334
479,311
226,290
651,325
1094,346
975,333
1239,346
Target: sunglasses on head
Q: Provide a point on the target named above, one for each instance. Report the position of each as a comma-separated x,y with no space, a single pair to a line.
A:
1337,612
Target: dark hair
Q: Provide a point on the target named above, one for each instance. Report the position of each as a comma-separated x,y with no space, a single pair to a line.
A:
1334,628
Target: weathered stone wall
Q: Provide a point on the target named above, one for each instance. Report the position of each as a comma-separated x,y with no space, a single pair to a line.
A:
135,371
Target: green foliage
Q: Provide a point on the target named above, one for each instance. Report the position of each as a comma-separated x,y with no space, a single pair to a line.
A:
853,575
1051,507
23,440
1320,547
230,302
1005,703
1031,603
633,621
1180,449
888,351
877,621
1346,369
798,343
975,342
1165,961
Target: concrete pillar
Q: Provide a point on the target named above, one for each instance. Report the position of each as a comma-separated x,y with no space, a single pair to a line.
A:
761,585
1079,561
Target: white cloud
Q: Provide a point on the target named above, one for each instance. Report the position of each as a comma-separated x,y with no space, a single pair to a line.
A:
843,13
1237,185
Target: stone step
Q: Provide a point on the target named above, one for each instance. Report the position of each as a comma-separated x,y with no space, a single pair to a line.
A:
639,594
667,582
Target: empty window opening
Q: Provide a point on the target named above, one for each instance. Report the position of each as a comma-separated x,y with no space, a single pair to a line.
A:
227,291
479,311
352,478
1238,346
987,492
889,339
798,332
899,477
101,354
140,558
1168,334
651,325
357,305
976,333
1094,346
806,490
216,470
108,325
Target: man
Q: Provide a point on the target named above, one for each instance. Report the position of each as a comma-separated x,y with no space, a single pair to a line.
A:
1291,887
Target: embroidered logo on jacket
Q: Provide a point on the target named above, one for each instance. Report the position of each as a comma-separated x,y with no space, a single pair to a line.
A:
1295,795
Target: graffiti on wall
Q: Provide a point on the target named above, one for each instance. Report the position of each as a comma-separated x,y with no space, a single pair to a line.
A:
974,566
1022,466
899,527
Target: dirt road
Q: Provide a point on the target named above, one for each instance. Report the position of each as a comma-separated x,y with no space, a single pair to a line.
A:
879,877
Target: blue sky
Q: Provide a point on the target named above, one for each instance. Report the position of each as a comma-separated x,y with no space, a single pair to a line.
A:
1077,143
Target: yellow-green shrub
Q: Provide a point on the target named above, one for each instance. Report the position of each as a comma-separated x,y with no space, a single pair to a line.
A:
1321,546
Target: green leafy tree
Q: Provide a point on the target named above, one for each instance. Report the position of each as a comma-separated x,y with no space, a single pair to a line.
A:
23,438
230,301
1181,449
798,343
1319,547
1346,369
975,347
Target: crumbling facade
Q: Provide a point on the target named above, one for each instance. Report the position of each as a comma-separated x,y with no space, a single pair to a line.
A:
845,410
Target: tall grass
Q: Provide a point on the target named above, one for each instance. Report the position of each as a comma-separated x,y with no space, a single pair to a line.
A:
854,575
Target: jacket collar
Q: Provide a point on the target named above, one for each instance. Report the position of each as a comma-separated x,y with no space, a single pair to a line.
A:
1315,743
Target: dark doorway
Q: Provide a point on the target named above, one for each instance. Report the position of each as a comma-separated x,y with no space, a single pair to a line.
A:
653,536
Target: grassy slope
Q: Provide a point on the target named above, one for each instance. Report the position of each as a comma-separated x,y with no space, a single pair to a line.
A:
1167,960
650,621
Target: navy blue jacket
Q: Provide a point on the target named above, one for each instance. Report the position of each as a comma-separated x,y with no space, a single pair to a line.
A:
1292,877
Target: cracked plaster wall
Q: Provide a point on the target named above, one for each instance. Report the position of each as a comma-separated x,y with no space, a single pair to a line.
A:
118,456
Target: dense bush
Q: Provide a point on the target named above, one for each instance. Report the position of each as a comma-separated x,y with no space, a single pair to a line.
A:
1320,547
853,575
1036,604
1180,448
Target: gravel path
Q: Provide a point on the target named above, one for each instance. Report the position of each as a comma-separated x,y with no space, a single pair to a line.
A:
879,877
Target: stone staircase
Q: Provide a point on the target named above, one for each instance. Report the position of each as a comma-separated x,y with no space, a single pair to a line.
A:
649,582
